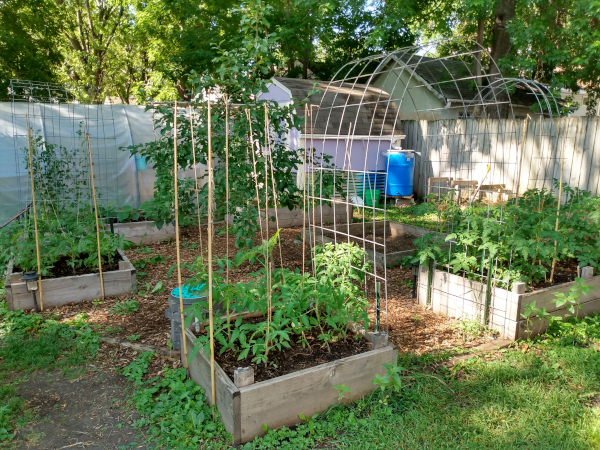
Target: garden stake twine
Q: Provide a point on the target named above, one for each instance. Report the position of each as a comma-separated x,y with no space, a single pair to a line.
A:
96,214
183,339
37,240
210,256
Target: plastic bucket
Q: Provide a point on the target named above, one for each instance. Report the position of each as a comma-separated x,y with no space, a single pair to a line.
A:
372,197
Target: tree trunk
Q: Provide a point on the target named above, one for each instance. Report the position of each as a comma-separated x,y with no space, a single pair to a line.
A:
480,33
501,47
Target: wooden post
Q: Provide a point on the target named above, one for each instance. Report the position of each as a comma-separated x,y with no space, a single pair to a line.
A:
179,284
195,176
96,214
559,200
488,291
35,227
227,187
520,161
210,256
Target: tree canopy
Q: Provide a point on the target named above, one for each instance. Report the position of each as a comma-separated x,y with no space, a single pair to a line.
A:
138,49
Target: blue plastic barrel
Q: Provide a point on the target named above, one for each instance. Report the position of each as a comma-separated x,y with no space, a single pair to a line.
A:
400,173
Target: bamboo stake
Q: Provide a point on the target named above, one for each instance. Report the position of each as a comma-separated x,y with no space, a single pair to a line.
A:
560,183
96,215
304,202
210,256
312,153
179,284
520,160
196,177
251,139
35,227
227,185
274,193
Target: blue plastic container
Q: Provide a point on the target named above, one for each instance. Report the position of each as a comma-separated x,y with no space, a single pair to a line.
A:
400,173
189,292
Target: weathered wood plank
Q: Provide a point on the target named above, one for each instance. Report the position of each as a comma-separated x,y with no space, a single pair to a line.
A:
543,297
226,392
279,401
143,232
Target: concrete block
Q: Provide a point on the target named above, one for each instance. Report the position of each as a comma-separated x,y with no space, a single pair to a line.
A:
519,288
243,376
587,272
379,340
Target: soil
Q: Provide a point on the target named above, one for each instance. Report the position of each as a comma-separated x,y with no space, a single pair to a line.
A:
430,333
63,269
65,417
564,272
282,362
393,244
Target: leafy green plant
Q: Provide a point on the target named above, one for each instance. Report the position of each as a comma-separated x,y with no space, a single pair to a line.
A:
127,307
342,390
174,411
326,302
63,197
518,241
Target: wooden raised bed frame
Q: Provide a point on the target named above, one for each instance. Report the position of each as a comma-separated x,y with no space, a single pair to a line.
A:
143,232
74,289
459,297
377,229
279,401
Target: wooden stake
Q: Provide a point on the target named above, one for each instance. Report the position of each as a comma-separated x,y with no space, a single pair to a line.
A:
227,186
210,256
560,183
35,227
304,199
179,284
251,139
520,161
195,176
96,215
274,192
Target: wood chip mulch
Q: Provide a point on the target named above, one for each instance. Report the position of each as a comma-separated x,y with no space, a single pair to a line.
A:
412,328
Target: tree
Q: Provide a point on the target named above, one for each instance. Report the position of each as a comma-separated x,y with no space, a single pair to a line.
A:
91,28
28,44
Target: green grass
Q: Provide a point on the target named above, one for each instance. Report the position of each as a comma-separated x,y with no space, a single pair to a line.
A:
404,215
545,398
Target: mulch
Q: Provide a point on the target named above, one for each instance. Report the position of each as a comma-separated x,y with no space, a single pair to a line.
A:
411,327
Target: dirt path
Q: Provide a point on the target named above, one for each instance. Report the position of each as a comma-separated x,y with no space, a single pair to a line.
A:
83,410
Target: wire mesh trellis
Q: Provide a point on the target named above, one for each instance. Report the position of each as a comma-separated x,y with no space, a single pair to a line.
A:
467,131
62,116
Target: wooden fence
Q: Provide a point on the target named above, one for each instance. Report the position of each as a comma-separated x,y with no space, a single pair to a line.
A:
462,149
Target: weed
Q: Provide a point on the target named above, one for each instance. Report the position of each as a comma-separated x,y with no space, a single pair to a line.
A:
133,337
174,410
127,307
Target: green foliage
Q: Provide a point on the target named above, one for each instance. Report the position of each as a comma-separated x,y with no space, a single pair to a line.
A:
326,302
520,239
125,308
174,410
65,226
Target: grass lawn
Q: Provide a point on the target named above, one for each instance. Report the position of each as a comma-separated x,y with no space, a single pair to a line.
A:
404,215
544,395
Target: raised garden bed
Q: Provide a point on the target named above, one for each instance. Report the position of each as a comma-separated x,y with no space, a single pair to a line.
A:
144,232
339,213
460,297
398,239
70,289
248,410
